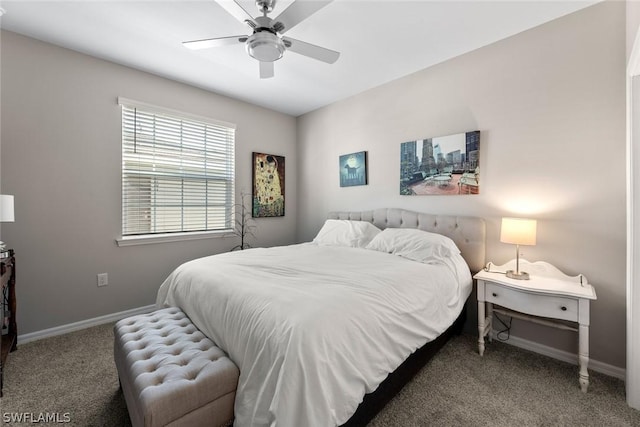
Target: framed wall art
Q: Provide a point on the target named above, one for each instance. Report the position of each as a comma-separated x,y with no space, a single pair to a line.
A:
268,185
353,169
444,165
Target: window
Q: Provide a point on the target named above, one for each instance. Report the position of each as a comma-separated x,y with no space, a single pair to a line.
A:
177,172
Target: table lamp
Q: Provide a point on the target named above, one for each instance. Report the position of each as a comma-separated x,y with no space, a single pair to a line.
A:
518,231
6,214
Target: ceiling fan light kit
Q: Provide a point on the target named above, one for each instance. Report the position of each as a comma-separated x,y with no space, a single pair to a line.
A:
267,44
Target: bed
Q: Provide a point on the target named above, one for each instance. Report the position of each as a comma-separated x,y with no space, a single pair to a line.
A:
317,328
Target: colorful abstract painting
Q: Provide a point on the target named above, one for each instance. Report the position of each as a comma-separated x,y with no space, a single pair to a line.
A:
268,185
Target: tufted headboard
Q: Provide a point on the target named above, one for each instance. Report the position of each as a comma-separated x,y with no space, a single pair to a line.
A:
467,232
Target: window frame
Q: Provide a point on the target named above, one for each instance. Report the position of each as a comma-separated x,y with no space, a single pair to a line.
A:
172,236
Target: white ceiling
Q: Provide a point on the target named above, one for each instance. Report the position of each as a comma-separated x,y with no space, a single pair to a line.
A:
379,40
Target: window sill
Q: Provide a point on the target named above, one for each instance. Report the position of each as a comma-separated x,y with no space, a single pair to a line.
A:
172,237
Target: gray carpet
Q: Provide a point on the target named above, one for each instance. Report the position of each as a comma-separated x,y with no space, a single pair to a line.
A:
73,377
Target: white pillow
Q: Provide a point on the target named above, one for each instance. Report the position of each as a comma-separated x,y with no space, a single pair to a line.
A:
340,232
417,245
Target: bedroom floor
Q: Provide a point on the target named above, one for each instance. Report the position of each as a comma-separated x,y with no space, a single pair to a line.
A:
72,377
508,386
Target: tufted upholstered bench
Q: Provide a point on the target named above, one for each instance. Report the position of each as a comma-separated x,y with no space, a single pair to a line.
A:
172,374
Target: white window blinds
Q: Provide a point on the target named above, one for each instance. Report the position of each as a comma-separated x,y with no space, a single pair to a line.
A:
177,172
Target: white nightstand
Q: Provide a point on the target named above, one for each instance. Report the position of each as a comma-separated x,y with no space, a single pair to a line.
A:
548,295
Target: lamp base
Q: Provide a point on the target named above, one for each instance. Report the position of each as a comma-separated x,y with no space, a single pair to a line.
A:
520,275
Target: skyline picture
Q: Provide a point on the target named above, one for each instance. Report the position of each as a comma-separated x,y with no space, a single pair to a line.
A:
444,165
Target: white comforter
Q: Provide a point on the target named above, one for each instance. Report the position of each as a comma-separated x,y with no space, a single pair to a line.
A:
314,328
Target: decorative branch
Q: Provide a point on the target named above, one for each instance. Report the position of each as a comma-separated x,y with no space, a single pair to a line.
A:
245,224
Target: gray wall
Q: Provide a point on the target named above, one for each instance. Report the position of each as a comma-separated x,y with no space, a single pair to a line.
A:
550,105
61,159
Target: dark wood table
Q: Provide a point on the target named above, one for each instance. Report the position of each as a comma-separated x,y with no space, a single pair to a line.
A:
8,280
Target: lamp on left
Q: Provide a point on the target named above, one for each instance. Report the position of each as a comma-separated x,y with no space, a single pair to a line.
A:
6,215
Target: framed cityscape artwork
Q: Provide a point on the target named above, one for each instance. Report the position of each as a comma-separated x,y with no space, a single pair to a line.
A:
268,185
353,169
444,165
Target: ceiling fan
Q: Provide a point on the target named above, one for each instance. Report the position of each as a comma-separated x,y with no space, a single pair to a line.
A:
267,43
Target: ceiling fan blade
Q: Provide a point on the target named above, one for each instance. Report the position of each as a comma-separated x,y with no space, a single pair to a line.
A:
266,70
236,10
297,12
216,42
311,50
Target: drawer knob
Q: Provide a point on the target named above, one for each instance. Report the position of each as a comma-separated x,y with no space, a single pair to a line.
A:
563,308
494,294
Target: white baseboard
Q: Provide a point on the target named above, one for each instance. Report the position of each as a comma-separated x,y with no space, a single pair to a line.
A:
72,327
565,356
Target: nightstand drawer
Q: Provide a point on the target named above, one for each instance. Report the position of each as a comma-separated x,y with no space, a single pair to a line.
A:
535,304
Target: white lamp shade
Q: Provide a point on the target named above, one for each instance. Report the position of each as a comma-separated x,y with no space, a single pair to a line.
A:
6,208
518,231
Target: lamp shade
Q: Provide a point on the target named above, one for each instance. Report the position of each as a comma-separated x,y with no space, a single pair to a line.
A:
6,208
518,231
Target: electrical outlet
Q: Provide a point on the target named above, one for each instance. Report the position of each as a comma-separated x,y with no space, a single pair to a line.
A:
103,279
